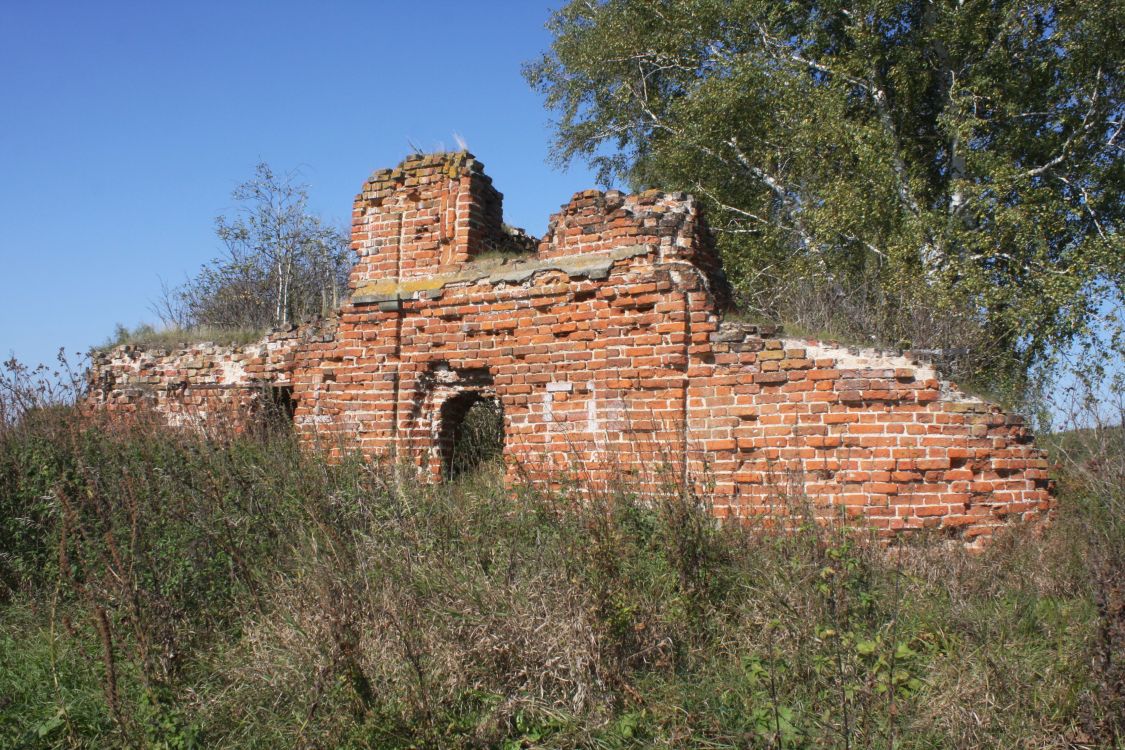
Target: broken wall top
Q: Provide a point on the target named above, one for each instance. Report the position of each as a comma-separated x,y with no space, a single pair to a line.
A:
432,220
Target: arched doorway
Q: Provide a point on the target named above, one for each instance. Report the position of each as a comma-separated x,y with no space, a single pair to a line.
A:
471,433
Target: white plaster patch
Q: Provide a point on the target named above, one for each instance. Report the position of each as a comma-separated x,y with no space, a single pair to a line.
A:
548,408
232,371
593,426
874,359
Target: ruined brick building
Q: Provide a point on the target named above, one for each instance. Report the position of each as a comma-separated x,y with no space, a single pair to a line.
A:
607,350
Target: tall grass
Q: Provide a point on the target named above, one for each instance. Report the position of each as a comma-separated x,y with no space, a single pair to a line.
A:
161,590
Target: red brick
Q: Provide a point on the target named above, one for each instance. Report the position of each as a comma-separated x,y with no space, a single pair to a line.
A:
605,367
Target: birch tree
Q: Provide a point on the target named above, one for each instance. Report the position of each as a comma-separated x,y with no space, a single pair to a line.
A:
281,264
926,173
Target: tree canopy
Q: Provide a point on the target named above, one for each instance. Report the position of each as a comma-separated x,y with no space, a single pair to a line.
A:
933,172
282,264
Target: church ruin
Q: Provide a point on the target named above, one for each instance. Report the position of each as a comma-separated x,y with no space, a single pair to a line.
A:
606,351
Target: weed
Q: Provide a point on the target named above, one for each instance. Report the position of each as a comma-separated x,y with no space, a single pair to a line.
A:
166,590
147,336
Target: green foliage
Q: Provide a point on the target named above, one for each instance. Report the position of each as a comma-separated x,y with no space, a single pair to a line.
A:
51,693
927,174
478,438
182,593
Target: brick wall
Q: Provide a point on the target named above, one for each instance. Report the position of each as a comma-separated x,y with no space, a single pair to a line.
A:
428,215
608,352
200,384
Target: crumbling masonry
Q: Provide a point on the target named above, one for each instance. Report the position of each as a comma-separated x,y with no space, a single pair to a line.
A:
607,350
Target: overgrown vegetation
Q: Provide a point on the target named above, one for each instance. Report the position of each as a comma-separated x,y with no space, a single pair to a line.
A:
933,175
282,264
477,439
148,336
159,590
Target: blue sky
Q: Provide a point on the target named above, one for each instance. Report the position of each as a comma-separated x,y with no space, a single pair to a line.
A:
124,126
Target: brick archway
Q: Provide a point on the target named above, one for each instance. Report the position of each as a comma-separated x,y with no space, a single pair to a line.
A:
470,431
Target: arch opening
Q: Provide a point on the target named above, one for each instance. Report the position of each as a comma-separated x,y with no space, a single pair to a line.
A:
471,434
276,410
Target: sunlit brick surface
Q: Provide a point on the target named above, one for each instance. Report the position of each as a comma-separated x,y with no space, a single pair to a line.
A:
607,349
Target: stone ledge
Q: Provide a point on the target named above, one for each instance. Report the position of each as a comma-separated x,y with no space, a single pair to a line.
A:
494,271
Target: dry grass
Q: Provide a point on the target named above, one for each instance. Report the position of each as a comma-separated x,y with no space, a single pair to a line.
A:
147,337
256,596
